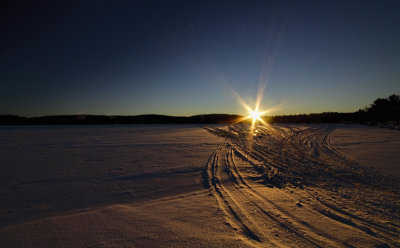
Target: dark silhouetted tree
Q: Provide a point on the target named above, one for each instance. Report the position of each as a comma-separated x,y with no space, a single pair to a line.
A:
385,109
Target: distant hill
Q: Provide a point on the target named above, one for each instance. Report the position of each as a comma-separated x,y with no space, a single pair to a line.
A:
381,112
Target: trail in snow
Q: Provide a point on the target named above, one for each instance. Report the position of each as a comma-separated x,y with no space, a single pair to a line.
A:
287,186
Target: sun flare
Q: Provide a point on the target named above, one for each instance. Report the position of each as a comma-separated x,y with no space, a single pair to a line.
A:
255,115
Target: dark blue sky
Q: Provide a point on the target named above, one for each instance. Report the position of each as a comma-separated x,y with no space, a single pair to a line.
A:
186,57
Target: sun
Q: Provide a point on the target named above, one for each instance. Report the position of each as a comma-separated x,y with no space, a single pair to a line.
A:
255,115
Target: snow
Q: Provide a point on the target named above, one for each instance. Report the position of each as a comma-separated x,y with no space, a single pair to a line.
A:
372,146
199,186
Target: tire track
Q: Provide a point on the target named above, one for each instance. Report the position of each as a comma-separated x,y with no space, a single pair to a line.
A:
233,211
318,238
377,231
300,153
239,201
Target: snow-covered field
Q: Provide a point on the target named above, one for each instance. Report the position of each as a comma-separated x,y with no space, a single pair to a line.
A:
197,186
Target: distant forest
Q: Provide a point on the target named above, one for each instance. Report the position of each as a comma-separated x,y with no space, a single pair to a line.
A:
380,111
383,111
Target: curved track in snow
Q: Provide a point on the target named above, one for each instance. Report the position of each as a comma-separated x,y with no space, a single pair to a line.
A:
288,187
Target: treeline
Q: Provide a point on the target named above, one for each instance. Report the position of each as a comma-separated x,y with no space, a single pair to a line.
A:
104,119
327,117
382,110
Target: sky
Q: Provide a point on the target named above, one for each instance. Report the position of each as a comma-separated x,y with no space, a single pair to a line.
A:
192,57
